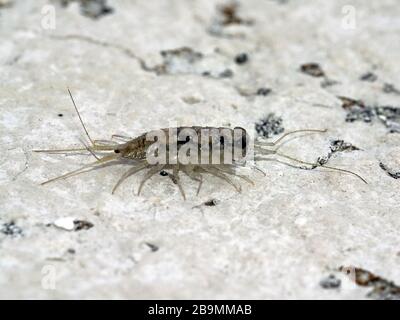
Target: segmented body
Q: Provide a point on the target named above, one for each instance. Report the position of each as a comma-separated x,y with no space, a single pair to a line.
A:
217,151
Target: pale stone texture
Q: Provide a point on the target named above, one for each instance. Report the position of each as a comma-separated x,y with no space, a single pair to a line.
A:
277,239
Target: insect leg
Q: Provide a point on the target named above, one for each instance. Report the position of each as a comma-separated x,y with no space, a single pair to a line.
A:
314,165
231,171
127,174
175,174
222,176
283,162
149,174
121,137
308,165
195,176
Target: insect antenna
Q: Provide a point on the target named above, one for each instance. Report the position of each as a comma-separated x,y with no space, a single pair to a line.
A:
80,119
316,165
260,148
90,149
270,144
90,166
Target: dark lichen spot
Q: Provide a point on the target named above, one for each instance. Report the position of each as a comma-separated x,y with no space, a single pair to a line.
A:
389,116
312,69
228,14
349,102
11,229
382,289
357,110
82,225
241,58
369,76
330,282
336,146
178,61
390,88
269,126
263,91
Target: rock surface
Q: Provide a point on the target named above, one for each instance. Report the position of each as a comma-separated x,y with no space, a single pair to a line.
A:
151,64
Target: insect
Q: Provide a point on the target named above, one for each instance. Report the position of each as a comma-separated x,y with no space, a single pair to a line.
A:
232,146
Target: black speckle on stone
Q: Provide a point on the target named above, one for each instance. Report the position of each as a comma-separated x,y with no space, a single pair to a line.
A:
163,173
328,83
330,282
390,116
269,126
363,114
263,91
152,247
312,69
91,8
390,88
60,115
11,229
369,76
350,102
241,58
211,203
82,225
228,73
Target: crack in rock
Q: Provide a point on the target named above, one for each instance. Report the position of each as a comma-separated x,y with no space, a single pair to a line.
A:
390,172
26,166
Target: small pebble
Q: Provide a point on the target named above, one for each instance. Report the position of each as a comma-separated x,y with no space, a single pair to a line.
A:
72,224
330,282
65,223
312,69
